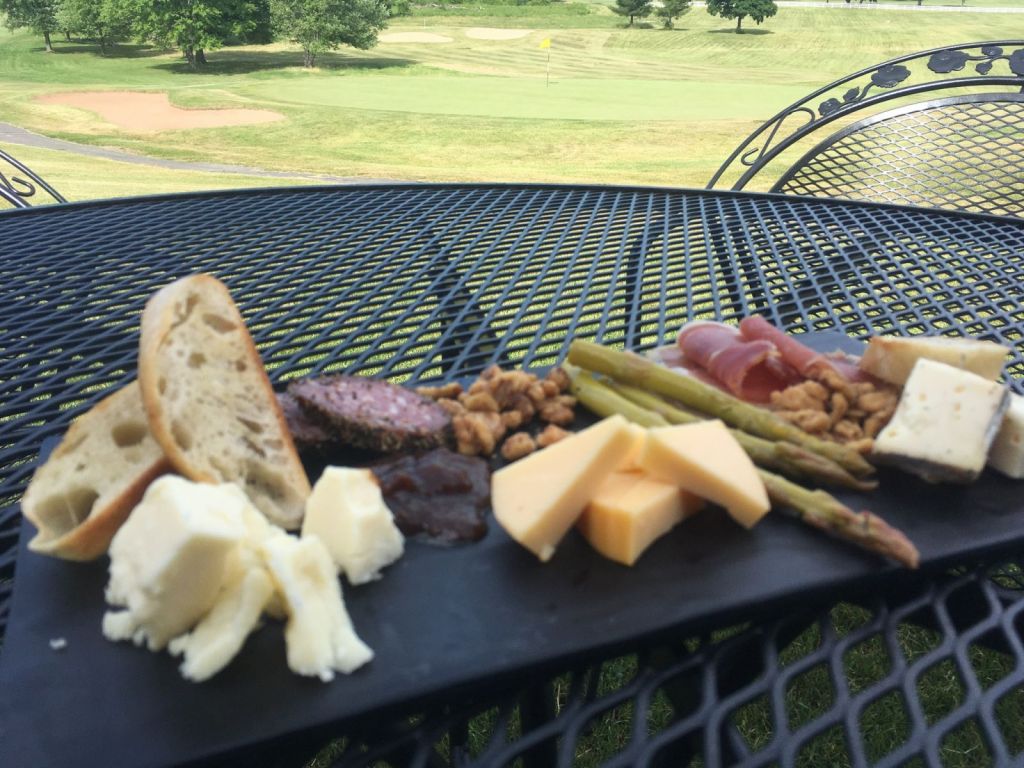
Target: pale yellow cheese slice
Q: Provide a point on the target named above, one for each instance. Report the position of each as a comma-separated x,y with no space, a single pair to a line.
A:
705,459
539,498
630,511
638,435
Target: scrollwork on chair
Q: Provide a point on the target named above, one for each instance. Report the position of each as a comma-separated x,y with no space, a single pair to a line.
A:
16,187
931,70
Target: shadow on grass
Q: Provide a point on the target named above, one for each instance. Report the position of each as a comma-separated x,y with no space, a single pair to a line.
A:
732,31
118,51
228,62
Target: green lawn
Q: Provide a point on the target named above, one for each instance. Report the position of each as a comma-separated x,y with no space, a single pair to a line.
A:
645,106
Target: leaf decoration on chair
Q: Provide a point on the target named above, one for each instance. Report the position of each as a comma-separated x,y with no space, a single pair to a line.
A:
1016,60
943,62
994,51
890,75
829,107
851,95
984,67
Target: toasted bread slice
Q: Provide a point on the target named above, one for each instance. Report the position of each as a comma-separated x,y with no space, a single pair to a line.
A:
91,482
209,401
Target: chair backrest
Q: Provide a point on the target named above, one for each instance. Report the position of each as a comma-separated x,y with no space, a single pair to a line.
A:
955,151
19,185
963,152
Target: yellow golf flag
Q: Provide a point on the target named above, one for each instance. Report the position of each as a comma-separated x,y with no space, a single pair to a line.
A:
545,43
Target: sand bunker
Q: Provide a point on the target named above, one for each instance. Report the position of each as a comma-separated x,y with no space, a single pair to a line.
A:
151,112
489,33
413,37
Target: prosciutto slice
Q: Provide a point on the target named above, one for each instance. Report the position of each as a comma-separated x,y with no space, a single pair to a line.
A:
749,369
810,363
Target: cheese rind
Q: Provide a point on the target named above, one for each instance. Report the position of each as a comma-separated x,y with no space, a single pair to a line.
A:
892,358
347,512
944,424
1007,452
630,511
319,636
168,561
538,499
705,459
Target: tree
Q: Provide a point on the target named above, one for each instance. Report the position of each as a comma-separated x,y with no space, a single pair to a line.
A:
323,25
758,10
670,10
38,15
196,26
106,21
633,8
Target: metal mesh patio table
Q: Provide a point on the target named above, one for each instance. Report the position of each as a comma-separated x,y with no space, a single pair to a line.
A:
420,283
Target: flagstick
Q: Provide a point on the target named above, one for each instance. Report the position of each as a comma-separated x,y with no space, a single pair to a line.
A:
547,70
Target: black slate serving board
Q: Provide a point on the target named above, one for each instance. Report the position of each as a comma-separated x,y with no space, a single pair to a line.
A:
441,618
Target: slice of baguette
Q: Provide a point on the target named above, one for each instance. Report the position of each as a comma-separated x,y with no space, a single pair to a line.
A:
892,358
209,400
94,478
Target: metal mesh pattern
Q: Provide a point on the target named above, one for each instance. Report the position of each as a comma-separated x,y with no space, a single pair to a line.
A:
426,282
967,154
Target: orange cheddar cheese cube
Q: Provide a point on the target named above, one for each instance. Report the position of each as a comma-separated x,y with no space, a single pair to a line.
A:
539,498
705,459
630,511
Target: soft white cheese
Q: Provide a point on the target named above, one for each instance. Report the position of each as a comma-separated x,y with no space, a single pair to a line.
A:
319,635
168,560
1007,454
219,637
347,512
944,423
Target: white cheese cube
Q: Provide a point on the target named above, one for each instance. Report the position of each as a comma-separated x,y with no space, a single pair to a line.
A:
168,561
347,513
319,634
944,423
1007,454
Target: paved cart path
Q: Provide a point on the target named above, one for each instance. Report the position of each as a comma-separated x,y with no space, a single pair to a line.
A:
890,6
12,134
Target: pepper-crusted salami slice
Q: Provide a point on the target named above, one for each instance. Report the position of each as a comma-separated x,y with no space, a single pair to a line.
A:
308,434
373,414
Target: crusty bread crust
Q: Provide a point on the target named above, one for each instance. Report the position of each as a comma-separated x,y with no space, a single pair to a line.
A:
209,400
93,479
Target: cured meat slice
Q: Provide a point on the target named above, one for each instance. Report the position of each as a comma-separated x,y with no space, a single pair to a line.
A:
808,362
373,414
751,370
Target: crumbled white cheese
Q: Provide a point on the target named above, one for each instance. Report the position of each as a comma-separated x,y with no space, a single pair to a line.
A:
347,512
319,635
168,561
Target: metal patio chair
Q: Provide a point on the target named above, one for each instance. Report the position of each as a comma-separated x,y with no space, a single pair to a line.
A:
961,148
18,183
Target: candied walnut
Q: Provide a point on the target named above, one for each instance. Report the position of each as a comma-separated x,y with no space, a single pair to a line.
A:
479,401
839,406
452,407
560,377
847,430
491,372
536,393
510,386
836,382
862,446
550,388
814,422
876,401
478,386
806,396
874,423
518,445
555,412
551,435
512,419
445,391
524,405
477,432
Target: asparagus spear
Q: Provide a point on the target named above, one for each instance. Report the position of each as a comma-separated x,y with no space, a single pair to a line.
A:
630,368
785,457
816,508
